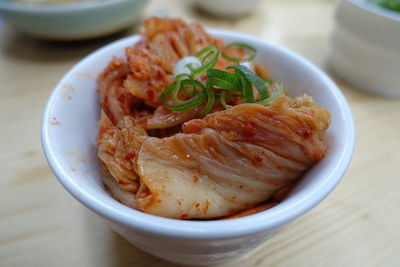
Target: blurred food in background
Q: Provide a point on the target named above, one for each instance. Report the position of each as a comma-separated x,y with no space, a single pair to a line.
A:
389,4
51,2
366,46
71,19
227,8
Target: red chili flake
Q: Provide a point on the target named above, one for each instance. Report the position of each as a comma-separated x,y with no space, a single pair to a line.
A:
121,182
131,154
197,205
258,158
150,94
184,216
195,178
306,133
160,75
241,186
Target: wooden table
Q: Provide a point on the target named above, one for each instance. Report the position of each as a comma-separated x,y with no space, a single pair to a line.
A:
42,225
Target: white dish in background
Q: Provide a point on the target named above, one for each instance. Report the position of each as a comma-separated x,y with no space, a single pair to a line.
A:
72,21
69,130
228,8
366,47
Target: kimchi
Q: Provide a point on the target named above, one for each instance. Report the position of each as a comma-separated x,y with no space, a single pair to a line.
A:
191,128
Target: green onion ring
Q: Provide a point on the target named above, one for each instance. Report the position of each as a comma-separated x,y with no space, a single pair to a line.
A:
254,79
222,97
207,62
247,47
177,86
186,93
277,91
247,88
267,81
187,104
223,80
211,101
184,90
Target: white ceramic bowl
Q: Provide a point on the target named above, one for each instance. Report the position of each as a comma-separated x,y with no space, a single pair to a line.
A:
366,47
73,21
69,130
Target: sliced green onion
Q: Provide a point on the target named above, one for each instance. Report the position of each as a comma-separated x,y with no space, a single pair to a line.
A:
251,51
267,81
237,84
247,88
177,85
208,57
224,80
182,65
222,97
186,104
277,91
185,85
187,93
211,101
254,79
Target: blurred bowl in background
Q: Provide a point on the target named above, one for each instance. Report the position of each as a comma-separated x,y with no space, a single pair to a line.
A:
227,8
366,47
72,21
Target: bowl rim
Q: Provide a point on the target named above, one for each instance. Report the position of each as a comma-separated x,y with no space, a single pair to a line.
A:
59,8
376,10
275,217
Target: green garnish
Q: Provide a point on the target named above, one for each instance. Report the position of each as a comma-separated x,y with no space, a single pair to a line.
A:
173,89
251,51
186,92
211,101
254,79
177,85
246,86
222,97
223,80
208,57
267,81
277,91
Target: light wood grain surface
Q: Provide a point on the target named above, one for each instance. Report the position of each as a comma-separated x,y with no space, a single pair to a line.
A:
42,225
